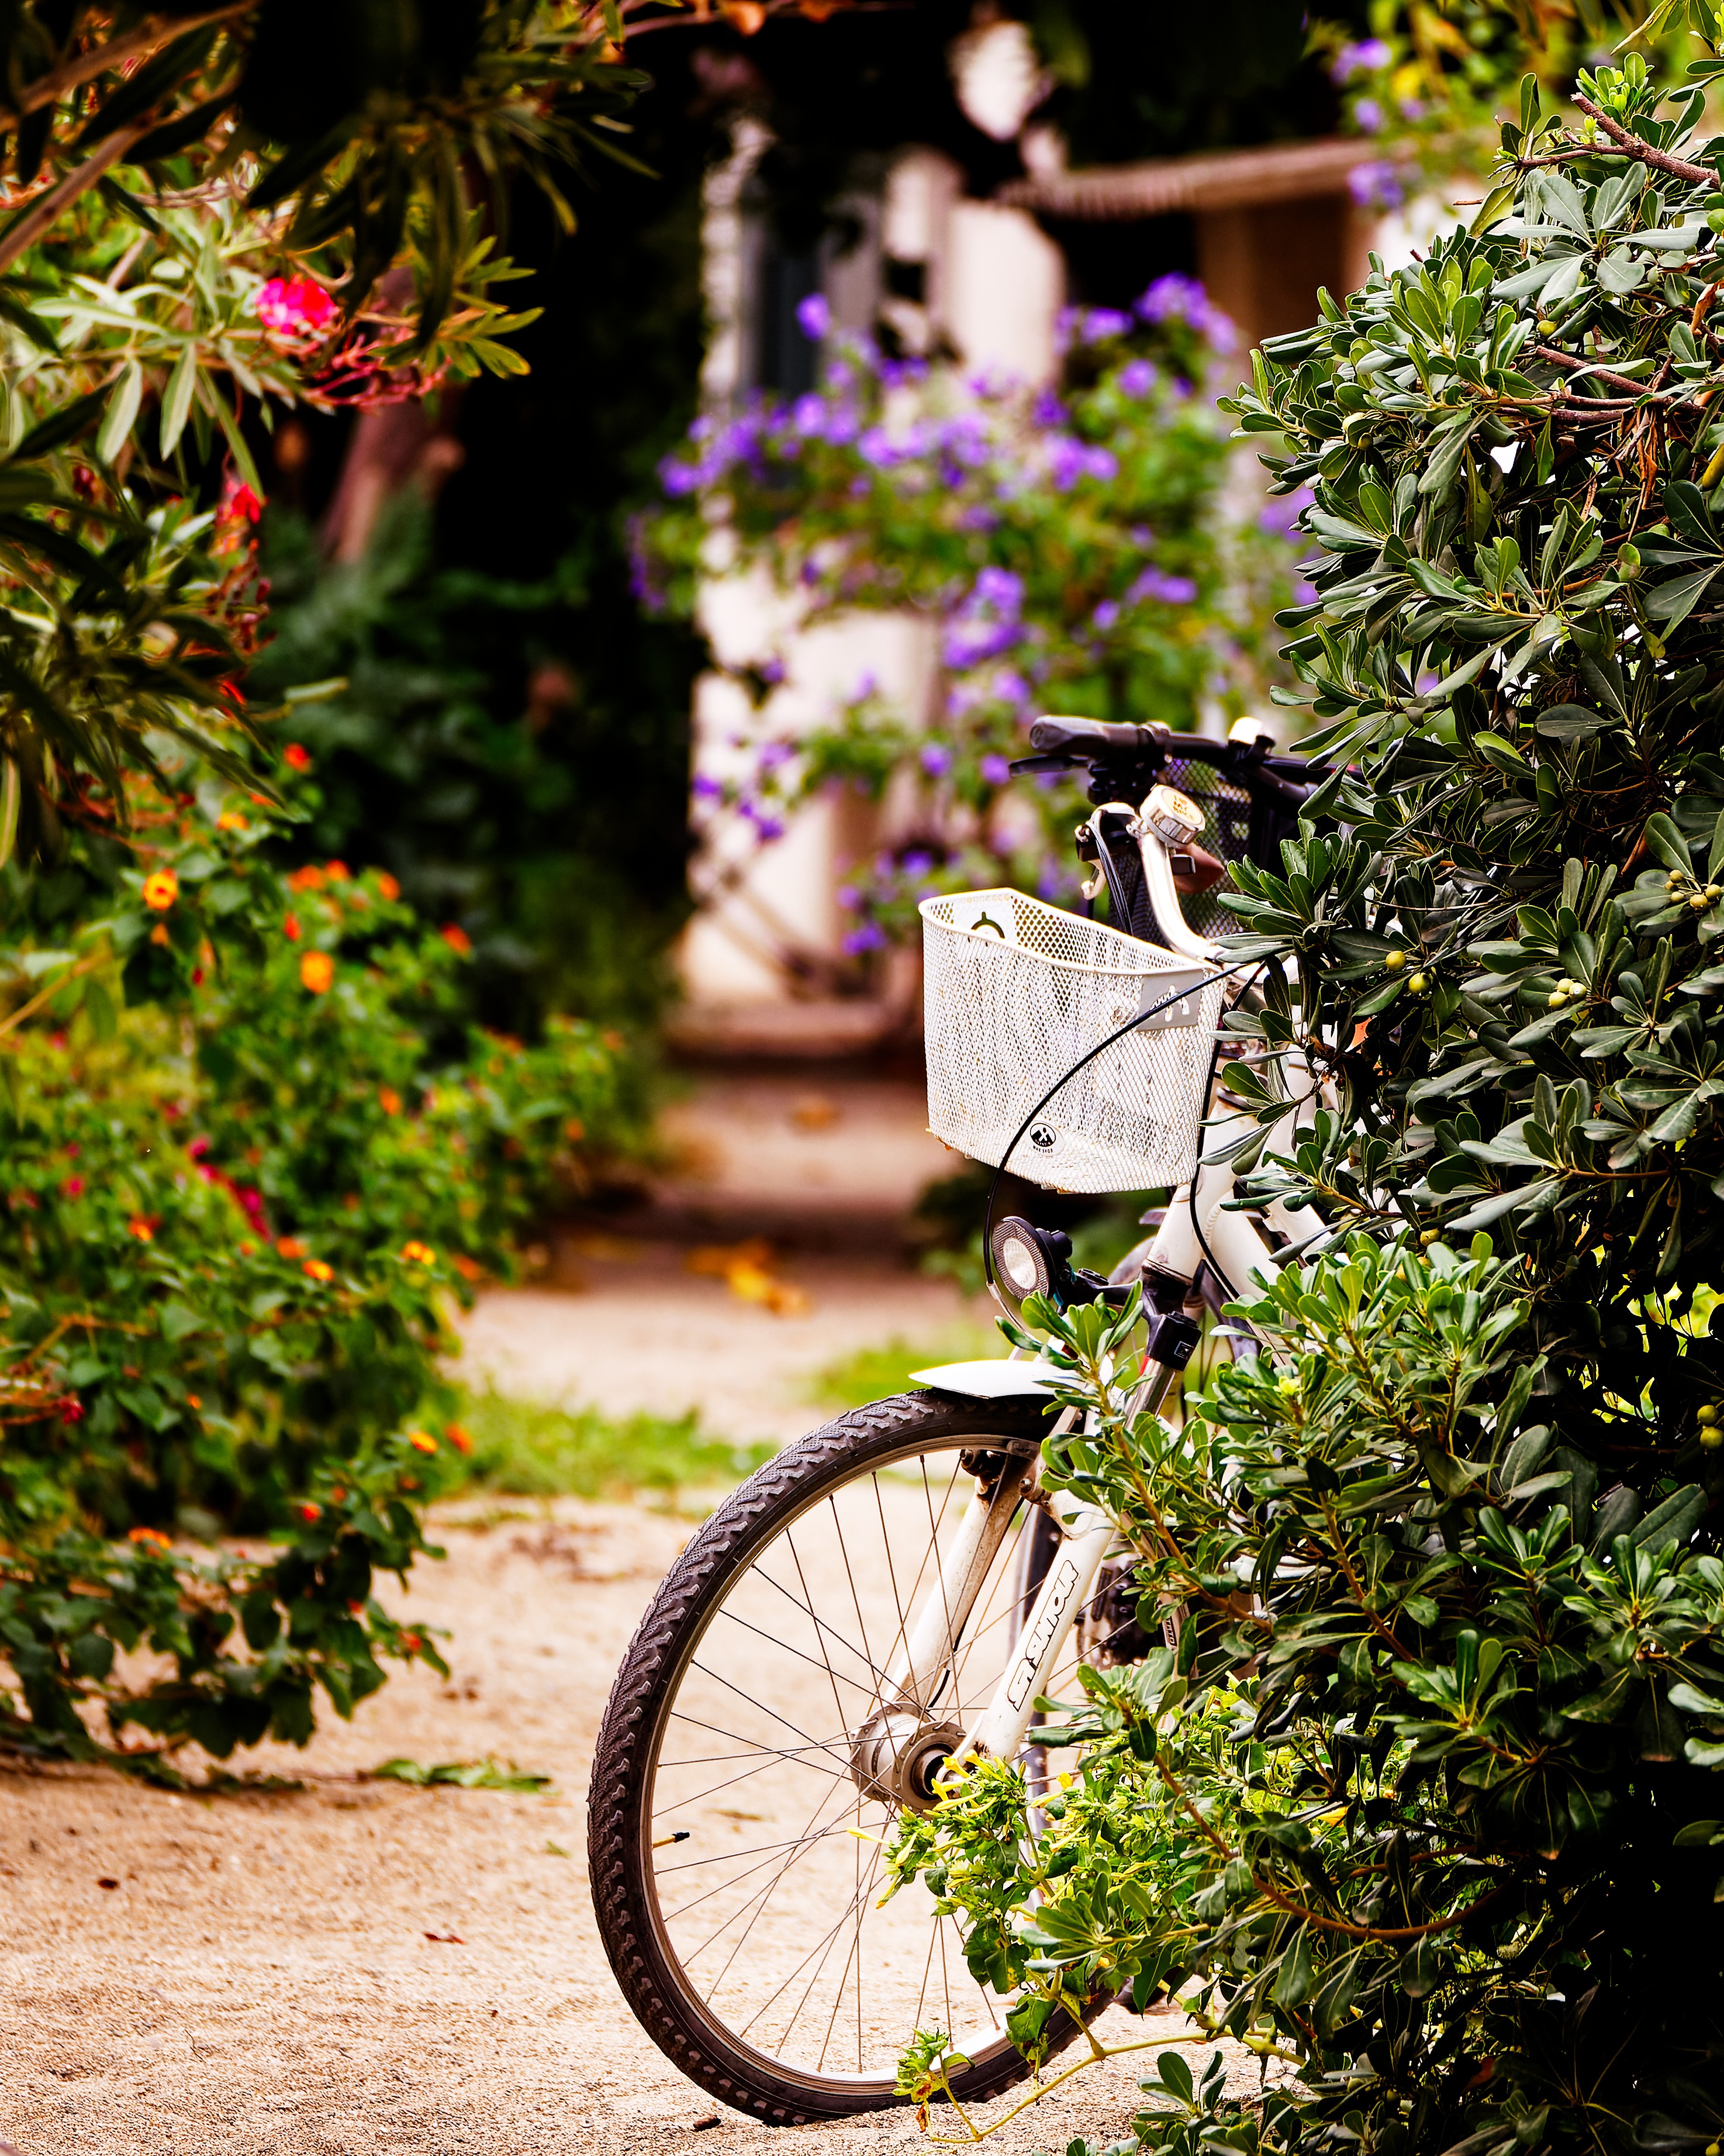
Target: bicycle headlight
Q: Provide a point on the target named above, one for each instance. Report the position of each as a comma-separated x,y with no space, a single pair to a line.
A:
1029,1260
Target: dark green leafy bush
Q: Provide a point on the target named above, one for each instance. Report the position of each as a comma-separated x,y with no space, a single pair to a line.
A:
237,1219
1440,1813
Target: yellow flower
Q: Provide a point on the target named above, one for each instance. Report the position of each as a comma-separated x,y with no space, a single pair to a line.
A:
315,1269
422,1440
417,1254
142,1229
317,970
160,890
230,819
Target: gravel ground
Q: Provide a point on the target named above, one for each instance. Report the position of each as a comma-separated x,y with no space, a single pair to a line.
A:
358,1967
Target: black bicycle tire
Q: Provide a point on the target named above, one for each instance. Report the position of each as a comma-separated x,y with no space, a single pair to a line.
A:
618,1805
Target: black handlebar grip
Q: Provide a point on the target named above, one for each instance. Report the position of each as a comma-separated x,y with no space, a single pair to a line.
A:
1106,736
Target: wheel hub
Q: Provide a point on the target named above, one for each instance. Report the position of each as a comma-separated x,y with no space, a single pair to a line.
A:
895,1756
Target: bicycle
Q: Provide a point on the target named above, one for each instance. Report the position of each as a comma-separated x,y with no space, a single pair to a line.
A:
895,1588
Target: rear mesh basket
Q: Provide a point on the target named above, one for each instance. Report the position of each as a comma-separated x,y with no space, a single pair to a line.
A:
1015,992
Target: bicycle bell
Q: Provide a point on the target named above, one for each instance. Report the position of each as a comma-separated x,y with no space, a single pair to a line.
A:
1174,816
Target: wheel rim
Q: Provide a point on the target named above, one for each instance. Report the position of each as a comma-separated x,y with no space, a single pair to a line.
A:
767,1907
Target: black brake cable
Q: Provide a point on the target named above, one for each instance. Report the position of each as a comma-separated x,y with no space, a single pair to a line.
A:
1089,1056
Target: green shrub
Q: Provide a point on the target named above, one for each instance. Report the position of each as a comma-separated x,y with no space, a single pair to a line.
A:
534,1452
238,1218
1447,1565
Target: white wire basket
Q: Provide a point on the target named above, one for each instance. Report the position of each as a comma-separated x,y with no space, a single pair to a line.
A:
1016,991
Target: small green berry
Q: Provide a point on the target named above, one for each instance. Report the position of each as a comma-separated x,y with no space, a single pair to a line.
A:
1395,962
1707,1413
1556,999
1711,1437
1418,984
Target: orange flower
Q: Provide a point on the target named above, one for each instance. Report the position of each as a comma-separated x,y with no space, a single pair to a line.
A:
149,1539
356,1609
290,928
574,1129
417,1254
291,1246
248,1249
457,938
410,1640
315,1269
317,970
422,1440
387,884
309,878
337,871
158,934
458,1437
160,890
230,819
309,1511
193,1402
144,1229
467,1268
388,1100
295,757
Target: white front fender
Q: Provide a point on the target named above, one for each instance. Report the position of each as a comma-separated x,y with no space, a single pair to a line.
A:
996,1378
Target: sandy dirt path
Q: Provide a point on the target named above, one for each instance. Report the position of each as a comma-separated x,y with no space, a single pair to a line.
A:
261,1981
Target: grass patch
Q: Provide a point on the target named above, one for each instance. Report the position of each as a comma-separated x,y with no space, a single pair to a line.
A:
875,1373
524,1449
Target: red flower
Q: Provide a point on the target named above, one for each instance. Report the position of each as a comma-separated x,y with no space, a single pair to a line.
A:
295,757
457,938
291,928
73,1186
239,506
295,306
309,1513
71,1410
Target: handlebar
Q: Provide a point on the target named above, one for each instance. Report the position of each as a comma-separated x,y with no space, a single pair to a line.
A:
1124,758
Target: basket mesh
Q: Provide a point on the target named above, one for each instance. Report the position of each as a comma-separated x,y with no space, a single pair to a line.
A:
1015,992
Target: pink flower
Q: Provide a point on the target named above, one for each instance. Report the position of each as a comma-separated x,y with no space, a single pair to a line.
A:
295,306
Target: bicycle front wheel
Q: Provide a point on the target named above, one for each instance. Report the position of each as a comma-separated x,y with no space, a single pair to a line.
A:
755,1757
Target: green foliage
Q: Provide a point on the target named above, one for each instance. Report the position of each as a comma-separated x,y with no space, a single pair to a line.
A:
1072,551
483,1774
1444,1561
1427,1779
535,1451
461,749
232,1236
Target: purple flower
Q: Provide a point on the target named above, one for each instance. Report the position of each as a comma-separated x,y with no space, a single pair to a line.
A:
995,769
706,788
936,760
1070,460
1377,184
977,516
1107,615
814,317
1157,584
848,897
866,686
808,416
772,672
1137,377
1368,113
1010,688
1361,59
1178,298
1100,322
774,754
875,447
1281,513
1000,589
869,937
678,479
1048,411
916,864
1411,108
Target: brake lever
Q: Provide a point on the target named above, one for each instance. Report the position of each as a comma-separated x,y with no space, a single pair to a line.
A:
1026,766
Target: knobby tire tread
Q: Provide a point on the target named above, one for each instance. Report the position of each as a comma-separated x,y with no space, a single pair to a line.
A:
726,1542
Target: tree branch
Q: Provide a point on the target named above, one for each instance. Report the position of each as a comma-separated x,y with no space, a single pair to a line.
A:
1660,160
148,38
33,222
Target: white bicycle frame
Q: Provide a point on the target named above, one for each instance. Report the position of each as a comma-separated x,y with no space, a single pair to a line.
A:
1197,1228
